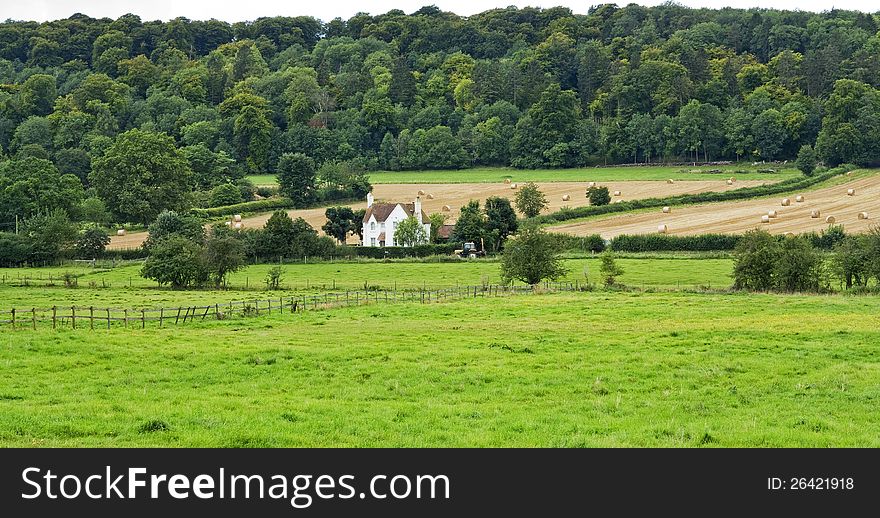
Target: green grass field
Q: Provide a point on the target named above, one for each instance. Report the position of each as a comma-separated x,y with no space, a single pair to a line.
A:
559,370
598,174
123,288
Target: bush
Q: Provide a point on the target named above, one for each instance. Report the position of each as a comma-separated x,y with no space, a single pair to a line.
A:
799,266
667,243
225,194
531,256
15,249
598,196
806,160
754,261
609,269
592,243
246,207
92,243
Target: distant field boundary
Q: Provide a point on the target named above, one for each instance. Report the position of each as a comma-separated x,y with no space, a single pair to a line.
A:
90,317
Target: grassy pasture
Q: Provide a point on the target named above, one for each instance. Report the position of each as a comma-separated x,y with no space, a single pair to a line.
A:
585,174
576,369
122,287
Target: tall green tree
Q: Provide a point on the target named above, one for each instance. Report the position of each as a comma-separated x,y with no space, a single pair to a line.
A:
296,178
140,175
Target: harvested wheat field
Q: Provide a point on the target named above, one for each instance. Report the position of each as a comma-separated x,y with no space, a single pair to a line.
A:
456,195
854,211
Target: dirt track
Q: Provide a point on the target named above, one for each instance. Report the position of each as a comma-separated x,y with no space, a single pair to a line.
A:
740,216
456,195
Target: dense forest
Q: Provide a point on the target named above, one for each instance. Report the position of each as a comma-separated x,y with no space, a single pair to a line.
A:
119,119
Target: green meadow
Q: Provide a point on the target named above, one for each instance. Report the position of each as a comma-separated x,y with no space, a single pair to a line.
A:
602,368
122,287
583,174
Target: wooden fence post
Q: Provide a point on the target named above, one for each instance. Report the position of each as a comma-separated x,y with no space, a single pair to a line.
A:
91,317
143,320
108,318
125,316
13,318
54,311
73,316
161,315
34,318
177,317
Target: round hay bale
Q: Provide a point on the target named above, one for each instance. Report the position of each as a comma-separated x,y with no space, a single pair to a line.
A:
765,219
729,182
236,218
507,180
120,232
565,197
667,210
799,198
850,192
513,186
830,219
670,181
815,213
446,208
732,179
772,214
238,225
849,173
591,184
786,202
228,223
662,229
430,196
421,192
788,234
863,215
617,193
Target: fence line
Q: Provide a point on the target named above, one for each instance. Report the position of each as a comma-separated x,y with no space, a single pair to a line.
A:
93,317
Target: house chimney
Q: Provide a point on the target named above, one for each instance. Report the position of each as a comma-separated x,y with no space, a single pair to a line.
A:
417,209
369,200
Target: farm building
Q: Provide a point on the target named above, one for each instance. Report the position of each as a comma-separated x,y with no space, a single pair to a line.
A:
381,220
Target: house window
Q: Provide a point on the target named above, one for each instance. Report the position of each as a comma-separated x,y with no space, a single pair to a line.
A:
382,226
372,225
373,241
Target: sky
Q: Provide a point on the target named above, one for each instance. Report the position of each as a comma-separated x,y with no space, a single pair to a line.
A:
233,11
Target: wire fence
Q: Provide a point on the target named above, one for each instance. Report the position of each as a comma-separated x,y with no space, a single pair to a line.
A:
80,317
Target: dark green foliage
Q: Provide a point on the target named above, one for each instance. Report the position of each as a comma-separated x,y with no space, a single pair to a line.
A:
140,175
296,178
341,222
798,267
174,223
531,257
754,261
50,234
91,243
224,195
176,261
471,224
30,185
806,160
667,243
598,196
591,243
530,201
223,254
500,221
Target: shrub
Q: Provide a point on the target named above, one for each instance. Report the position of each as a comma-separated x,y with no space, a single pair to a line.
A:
806,160
92,243
754,261
609,269
598,196
798,267
225,194
531,257
667,243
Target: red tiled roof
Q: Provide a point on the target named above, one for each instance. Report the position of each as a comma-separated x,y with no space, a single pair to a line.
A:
445,231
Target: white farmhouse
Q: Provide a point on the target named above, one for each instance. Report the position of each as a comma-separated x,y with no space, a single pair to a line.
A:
381,220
